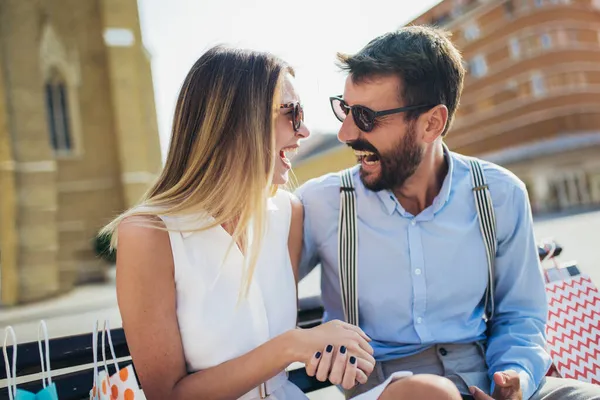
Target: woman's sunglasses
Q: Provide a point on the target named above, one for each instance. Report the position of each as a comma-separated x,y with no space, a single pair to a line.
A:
297,114
364,117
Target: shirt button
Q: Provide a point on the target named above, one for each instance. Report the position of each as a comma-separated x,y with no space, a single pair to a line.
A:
443,352
418,271
413,222
419,320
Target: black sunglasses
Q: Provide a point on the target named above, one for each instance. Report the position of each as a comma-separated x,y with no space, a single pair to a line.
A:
364,117
297,114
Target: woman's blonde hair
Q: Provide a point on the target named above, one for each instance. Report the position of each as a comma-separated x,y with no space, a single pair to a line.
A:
221,156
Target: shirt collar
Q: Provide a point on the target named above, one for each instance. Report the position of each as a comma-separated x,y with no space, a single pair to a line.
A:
389,200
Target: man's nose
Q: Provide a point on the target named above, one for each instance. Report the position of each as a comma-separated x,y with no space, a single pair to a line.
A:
348,131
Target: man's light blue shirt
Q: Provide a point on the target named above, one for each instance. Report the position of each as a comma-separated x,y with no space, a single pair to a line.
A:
422,279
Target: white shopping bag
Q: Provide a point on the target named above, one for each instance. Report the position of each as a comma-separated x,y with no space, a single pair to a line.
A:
123,384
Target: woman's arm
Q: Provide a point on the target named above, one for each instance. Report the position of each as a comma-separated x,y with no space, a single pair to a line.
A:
147,302
146,296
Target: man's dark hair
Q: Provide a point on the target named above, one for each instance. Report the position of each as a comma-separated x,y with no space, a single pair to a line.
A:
429,66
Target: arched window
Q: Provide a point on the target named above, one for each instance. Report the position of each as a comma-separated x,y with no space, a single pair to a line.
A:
57,110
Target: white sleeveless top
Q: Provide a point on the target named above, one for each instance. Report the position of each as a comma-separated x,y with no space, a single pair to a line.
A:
214,327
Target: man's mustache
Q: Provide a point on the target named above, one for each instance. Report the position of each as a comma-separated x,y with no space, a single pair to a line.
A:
362,145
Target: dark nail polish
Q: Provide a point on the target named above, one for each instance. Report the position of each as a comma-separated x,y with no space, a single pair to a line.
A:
352,360
329,348
343,349
318,355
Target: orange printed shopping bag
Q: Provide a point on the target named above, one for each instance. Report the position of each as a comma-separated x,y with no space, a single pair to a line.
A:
122,385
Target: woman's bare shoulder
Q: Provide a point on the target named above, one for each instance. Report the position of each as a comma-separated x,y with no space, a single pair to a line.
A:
143,242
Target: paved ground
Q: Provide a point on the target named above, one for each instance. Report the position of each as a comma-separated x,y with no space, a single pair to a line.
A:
580,236
77,311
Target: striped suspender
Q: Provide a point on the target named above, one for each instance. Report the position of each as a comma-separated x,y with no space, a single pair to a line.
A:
487,223
347,248
348,239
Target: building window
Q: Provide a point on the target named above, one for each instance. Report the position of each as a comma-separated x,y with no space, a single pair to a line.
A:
546,41
441,20
471,32
515,48
572,36
538,87
512,85
478,66
485,104
509,8
578,79
562,39
57,111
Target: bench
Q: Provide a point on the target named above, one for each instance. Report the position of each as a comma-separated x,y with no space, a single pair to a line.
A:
76,351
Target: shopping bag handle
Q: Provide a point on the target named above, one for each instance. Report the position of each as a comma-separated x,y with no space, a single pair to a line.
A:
11,377
96,386
46,376
106,332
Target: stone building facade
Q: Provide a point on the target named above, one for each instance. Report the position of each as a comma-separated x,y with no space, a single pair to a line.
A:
78,137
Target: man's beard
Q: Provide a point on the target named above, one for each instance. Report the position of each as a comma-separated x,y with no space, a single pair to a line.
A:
396,165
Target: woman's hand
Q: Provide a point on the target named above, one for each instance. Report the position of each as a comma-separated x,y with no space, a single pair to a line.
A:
335,335
338,366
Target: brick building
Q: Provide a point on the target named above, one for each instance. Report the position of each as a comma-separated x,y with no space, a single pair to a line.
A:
530,100
78,137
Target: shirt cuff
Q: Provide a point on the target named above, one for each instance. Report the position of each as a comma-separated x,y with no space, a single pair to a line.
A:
527,385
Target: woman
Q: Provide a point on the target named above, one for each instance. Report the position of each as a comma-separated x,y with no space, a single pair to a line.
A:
206,263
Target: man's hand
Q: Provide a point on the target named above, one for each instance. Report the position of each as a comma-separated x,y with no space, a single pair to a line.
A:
508,387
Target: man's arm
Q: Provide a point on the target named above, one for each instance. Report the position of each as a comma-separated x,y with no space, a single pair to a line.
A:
517,340
310,255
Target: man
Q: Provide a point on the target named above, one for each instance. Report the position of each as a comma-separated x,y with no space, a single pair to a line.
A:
421,259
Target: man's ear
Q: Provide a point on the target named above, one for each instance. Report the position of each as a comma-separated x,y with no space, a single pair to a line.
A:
434,123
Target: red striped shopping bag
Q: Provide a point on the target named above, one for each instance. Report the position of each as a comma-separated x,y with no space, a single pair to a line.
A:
573,328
